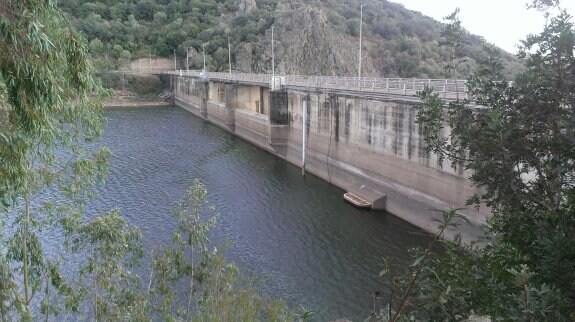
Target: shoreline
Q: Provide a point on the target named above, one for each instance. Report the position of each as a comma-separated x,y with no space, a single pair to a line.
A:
119,102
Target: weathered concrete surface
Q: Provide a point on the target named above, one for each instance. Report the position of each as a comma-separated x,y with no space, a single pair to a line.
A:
252,127
188,90
190,107
219,114
371,147
279,108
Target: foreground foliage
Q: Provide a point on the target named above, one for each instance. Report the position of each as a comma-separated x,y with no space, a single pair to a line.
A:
48,101
518,140
49,116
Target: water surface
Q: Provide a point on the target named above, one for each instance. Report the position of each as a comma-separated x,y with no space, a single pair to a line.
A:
298,234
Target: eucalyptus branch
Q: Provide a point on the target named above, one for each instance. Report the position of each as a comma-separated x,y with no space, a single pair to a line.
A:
26,272
151,276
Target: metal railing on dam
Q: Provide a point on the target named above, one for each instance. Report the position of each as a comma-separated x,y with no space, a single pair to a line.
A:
447,88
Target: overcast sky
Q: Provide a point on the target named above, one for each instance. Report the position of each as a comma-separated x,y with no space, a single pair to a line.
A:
501,22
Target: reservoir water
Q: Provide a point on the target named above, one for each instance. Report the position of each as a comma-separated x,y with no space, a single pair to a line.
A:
296,234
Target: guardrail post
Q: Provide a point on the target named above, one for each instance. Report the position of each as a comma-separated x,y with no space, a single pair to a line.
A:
445,89
387,85
404,89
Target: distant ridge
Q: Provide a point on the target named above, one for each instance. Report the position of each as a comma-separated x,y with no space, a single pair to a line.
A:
312,37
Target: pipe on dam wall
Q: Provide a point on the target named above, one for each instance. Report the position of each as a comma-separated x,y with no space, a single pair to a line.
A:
370,147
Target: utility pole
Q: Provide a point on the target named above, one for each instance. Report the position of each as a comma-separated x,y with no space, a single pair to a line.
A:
273,55
204,51
187,58
360,35
230,55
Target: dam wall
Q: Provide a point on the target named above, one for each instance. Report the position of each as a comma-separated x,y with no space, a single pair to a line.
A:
370,146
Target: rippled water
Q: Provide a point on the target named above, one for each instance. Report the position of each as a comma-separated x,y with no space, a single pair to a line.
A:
296,233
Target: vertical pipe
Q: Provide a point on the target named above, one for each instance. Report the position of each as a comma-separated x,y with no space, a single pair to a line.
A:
304,138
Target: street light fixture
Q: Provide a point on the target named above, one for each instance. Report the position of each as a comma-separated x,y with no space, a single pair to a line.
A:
360,35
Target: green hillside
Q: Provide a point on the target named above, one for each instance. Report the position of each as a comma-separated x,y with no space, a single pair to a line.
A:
312,37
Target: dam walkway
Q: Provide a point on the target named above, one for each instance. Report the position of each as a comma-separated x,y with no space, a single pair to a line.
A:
446,88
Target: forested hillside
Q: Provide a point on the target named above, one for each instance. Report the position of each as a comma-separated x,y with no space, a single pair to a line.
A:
311,36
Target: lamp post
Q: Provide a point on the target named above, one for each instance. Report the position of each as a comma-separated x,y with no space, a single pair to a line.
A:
204,52
175,64
360,35
230,55
273,55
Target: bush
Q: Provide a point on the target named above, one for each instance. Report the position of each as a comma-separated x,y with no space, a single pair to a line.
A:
144,85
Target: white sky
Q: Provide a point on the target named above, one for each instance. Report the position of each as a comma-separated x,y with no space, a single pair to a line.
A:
501,22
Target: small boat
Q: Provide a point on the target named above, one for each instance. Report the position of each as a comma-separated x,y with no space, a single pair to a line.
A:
356,200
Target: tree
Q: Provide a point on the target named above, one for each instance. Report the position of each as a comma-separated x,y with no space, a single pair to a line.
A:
48,101
517,138
106,280
221,59
96,45
453,40
191,281
49,110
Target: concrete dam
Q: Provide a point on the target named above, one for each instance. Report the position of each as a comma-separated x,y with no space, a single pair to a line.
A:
365,141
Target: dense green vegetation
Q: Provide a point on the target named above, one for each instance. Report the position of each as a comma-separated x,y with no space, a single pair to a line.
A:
121,30
398,42
519,145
